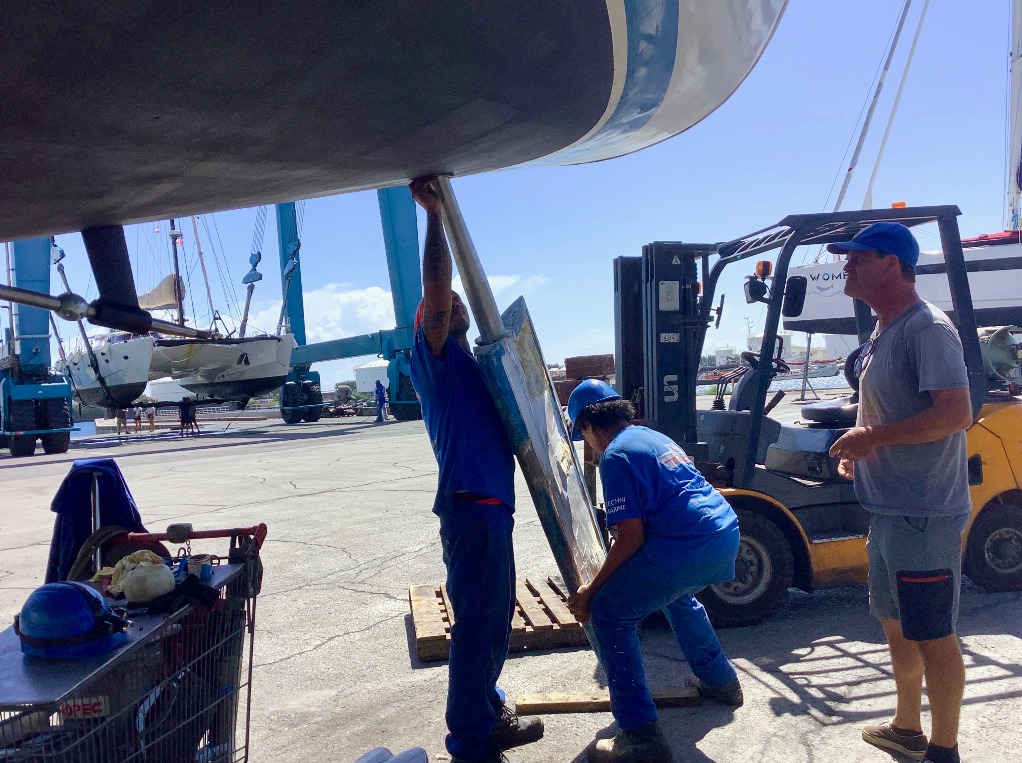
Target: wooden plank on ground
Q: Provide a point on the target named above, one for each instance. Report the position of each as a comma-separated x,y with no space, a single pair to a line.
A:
596,701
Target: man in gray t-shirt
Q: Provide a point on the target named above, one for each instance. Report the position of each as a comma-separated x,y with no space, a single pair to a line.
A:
907,456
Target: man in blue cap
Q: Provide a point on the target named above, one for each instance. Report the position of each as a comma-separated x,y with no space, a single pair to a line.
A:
380,394
907,456
658,503
475,502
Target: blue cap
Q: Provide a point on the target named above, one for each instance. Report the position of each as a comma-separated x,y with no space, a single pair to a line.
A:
890,238
585,394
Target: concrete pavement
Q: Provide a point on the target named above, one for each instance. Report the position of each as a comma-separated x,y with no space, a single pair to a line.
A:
348,507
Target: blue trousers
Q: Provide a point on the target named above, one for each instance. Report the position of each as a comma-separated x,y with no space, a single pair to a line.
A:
379,411
663,574
480,564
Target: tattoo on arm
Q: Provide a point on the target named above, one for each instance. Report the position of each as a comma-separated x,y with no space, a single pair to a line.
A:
436,259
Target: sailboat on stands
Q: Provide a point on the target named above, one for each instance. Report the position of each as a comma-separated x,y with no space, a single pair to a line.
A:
225,367
990,259
109,370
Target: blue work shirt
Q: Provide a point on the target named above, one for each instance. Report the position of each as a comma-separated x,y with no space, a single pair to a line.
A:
381,394
468,437
646,474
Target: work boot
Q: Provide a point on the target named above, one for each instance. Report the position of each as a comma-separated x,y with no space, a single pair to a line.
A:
643,744
512,729
884,736
728,694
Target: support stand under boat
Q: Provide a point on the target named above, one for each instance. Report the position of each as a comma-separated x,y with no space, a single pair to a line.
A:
516,375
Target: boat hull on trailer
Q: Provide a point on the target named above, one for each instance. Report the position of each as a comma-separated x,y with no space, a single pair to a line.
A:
227,368
123,365
259,104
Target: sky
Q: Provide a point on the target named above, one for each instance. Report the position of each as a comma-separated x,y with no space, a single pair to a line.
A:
779,145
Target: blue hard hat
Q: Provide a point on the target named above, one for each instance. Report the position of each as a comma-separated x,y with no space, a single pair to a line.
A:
887,237
585,394
67,619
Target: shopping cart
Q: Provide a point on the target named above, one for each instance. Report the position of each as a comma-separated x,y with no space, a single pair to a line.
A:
172,694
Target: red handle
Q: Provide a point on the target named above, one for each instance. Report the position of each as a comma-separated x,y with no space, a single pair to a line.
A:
257,533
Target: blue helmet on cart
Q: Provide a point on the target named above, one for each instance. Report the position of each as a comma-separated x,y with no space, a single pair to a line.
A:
67,620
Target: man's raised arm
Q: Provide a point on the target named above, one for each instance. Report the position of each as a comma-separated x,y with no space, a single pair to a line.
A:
437,270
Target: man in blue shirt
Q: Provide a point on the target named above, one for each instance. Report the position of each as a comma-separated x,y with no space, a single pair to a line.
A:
675,535
475,502
381,401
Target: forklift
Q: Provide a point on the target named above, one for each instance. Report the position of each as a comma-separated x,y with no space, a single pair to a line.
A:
801,524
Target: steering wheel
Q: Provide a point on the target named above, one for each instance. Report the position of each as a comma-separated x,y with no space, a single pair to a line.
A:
778,365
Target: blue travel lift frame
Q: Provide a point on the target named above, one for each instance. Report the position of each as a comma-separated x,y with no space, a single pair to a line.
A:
25,377
401,241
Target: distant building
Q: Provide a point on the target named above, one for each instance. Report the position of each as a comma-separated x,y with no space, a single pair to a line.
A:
366,375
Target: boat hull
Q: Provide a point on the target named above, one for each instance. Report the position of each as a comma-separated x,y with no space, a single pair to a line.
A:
226,369
260,104
124,366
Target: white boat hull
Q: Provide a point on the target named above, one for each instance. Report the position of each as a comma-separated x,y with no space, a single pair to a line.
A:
994,273
123,365
226,369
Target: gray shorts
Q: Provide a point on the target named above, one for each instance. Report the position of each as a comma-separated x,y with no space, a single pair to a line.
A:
915,572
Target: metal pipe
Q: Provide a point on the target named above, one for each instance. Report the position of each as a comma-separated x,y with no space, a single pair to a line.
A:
71,307
473,277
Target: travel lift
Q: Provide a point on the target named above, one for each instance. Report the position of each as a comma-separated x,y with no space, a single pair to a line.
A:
301,398
35,404
800,522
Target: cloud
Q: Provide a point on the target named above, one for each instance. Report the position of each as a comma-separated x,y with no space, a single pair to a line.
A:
507,288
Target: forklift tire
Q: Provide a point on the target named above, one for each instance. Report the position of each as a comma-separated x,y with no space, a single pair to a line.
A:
993,553
22,445
763,573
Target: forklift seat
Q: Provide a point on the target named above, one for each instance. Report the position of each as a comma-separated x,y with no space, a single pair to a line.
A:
833,414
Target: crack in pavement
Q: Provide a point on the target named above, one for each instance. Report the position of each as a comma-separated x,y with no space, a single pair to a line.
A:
327,641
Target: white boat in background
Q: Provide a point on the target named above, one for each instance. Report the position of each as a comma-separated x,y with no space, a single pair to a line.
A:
994,263
122,361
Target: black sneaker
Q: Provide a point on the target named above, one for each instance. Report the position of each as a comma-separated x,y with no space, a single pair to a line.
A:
644,744
512,729
886,738
728,694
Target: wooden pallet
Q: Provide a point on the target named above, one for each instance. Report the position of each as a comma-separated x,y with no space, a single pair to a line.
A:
541,619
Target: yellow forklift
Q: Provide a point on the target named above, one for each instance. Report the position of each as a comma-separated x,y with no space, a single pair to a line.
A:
801,524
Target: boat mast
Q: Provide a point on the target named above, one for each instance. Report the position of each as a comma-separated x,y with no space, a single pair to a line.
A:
867,201
176,240
202,264
1014,179
872,108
